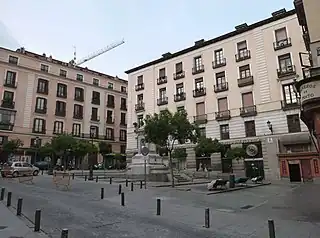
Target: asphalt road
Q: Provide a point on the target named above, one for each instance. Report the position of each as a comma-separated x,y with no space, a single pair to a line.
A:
237,214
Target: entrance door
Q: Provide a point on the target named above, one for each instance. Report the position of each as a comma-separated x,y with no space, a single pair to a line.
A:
254,168
294,171
306,170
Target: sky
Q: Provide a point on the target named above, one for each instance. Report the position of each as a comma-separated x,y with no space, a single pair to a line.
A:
149,27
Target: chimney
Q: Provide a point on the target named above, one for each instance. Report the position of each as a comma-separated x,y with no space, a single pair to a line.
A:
241,26
166,55
199,42
279,12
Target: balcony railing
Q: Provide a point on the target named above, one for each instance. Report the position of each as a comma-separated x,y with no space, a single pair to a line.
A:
110,121
286,71
200,119
243,55
110,104
179,97
248,111
60,113
219,63
7,104
10,84
287,105
162,80
95,101
123,124
246,81
162,101
123,107
79,99
95,118
139,86
139,107
78,116
178,75
198,69
199,92
281,44
221,87
6,126
223,115
41,110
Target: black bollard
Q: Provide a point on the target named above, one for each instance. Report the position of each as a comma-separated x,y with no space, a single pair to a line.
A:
37,219
97,178
73,176
207,218
158,206
110,180
122,199
126,182
19,207
272,230
85,178
9,196
119,189
2,194
102,193
41,172
131,186
231,181
141,184
64,233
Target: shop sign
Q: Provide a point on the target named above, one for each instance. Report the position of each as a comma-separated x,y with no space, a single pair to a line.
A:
309,91
316,166
244,141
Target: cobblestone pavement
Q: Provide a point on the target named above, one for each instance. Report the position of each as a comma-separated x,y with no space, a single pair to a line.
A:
238,214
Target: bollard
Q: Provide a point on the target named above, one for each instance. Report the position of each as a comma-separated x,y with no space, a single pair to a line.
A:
19,207
97,178
141,184
272,231
207,218
231,181
119,189
41,172
110,180
102,193
73,176
9,199
122,199
37,218
64,233
85,178
158,206
126,182
2,194
131,186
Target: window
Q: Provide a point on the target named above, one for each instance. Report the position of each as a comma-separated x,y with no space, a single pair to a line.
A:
123,118
76,129
200,109
220,79
95,82
140,120
110,100
110,85
39,125
281,35
140,98
202,131
179,67
109,116
180,109
123,104
35,142
41,105
123,149
11,78
123,89
94,114
224,132
293,123
285,63
43,86
94,131
140,79
244,71
13,59
8,96
199,84
79,94
63,73
218,56
223,104
162,93
44,68
58,127
109,134
289,94
123,135
250,128
242,48
95,97
162,73
61,90
247,99
198,63
80,77
179,89
60,108
77,111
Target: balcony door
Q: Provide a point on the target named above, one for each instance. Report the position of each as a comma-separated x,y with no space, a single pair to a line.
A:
222,104
289,94
247,100
200,109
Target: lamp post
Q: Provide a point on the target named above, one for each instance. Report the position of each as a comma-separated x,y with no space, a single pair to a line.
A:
37,146
269,124
92,133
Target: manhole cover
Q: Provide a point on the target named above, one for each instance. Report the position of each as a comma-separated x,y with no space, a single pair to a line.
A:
246,207
3,227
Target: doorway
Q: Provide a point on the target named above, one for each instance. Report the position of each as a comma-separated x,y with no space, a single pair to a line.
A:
294,172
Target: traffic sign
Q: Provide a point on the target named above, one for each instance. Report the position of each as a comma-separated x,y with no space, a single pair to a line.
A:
144,150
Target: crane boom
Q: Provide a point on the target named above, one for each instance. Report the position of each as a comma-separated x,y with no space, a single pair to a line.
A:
100,52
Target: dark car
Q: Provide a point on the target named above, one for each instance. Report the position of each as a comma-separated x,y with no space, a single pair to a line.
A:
42,165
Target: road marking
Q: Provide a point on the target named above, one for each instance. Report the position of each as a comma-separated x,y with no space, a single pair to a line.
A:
225,210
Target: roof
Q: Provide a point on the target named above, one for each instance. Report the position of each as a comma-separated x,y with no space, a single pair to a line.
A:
64,64
200,44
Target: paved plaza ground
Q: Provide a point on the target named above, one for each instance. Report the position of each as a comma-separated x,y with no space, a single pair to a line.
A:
294,208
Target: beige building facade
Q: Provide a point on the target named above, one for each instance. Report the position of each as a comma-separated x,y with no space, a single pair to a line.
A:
238,87
43,97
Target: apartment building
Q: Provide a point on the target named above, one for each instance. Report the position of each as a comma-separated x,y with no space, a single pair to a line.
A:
43,97
238,87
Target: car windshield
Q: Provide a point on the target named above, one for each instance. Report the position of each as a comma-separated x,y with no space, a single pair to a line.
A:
7,164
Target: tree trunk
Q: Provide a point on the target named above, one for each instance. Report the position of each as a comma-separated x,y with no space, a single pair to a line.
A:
171,169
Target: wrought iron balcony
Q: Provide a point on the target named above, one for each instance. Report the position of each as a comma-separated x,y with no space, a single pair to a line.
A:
178,75
246,81
248,111
10,83
289,105
60,113
243,55
286,71
198,92
223,115
139,107
179,97
139,86
162,80
8,104
221,87
41,110
219,63
78,116
110,121
162,101
281,44
200,119
198,69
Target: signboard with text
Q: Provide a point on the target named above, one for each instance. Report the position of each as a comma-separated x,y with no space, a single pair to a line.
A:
309,91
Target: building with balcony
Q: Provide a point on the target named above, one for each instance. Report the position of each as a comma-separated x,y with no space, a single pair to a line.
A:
239,87
42,97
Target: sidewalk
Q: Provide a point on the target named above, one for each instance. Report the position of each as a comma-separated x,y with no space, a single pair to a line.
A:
13,226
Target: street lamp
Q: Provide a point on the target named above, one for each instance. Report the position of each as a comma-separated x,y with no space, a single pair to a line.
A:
36,151
270,126
92,133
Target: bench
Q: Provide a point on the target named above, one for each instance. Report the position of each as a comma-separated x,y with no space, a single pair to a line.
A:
61,178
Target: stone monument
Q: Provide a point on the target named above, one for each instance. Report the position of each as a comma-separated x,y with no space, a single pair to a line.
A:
147,163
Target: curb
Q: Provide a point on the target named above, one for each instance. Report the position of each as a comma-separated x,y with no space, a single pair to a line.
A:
238,188
180,184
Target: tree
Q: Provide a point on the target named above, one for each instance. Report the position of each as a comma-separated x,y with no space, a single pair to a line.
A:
165,129
206,147
236,153
180,154
104,149
12,146
81,148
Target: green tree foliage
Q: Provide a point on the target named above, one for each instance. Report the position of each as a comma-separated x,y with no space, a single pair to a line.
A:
12,146
206,147
165,129
104,148
236,153
180,154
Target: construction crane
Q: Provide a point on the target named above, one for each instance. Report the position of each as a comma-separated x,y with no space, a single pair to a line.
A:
96,54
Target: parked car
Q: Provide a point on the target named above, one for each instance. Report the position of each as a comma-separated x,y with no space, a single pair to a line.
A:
42,165
16,169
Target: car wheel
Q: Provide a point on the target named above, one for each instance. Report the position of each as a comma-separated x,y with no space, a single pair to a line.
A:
15,174
35,173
